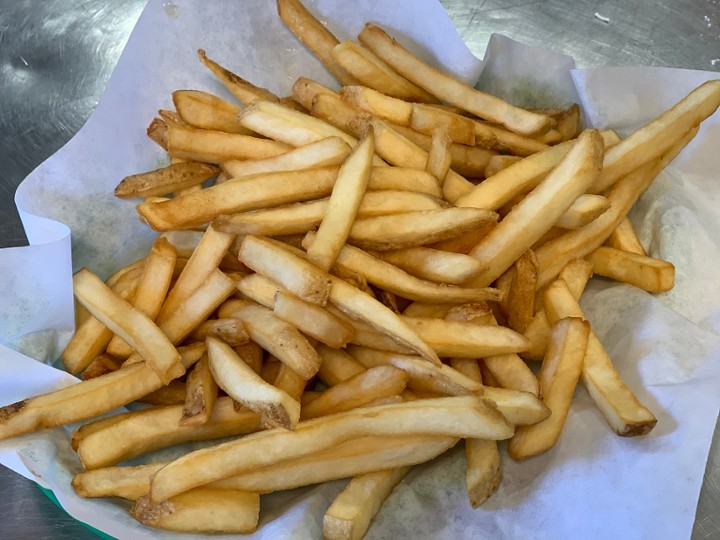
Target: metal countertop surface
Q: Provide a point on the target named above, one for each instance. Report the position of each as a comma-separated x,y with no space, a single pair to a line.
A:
56,56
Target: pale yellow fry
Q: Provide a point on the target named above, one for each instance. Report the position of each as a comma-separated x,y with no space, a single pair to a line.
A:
439,157
541,209
343,206
498,163
558,377
459,129
207,111
133,326
243,90
333,110
312,320
275,336
328,152
434,264
290,382
166,180
241,383
251,193
337,365
624,237
647,273
350,514
659,135
586,208
229,331
449,89
304,91
371,71
622,410
472,417
370,385
378,104
201,395
314,35
203,510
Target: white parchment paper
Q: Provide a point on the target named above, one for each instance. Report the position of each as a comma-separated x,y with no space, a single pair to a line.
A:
593,484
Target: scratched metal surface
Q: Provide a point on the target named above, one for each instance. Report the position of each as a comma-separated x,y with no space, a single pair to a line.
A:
56,56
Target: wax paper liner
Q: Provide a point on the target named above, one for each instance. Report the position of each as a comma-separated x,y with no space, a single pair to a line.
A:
593,483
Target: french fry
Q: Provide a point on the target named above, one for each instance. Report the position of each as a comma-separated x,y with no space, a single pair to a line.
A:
558,377
521,295
202,510
312,320
434,264
439,156
624,237
206,111
449,89
509,142
210,146
412,229
622,410
460,129
279,338
290,382
539,211
304,91
328,152
641,271
498,163
252,354
173,393
242,384
129,483
252,193
371,71
404,179
102,364
335,111
472,417
343,206
378,104
337,365
229,331
356,391
351,512
463,243
586,208
165,180
202,392
313,35
157,131
243,90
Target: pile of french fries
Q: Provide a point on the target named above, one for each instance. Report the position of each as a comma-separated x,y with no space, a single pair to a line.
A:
349,282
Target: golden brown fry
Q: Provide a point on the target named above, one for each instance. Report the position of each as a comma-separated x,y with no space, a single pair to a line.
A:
337,366
105,363
586,208
166,180
335,111
439,156
426,120
498,163
206,111
558,377
449,89
304,91
509,142
647,273
202,392
378,104
243,90
521,295
157,131
312,320
230,331
622,410
174,393
624,237
434,264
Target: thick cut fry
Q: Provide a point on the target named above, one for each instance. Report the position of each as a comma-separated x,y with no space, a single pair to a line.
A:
434,264
242,384
275,336
460,129
211,146
371,71
230,331
252,193
659,135
129,483
312,320
290,382
314,35
471,417
206,111
647,273
378,104
292,273
337,366
439,157
323,153
449,89
558,377
174,393
539,211
350,514
304,91
85,399
391,278
300,218
586,208
203,510
402,152
166,180
622,410
252,354
243,90
361,389
521,295
412,229
152,289
578,243
343,206
201,395
133,326
625,238
144,431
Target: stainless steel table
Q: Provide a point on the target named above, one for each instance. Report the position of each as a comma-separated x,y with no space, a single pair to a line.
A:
56,56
